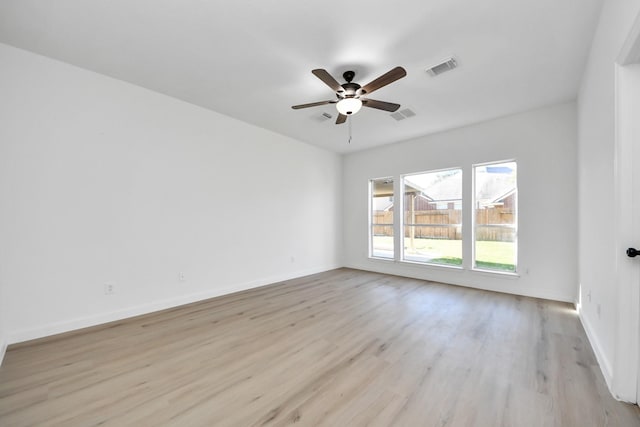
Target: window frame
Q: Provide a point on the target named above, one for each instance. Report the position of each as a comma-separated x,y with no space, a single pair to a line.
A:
403,224
474,225
370,220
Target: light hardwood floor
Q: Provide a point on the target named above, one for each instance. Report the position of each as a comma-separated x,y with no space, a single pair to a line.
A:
342,348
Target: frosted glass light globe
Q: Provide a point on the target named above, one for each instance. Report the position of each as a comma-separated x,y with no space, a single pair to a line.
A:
349,106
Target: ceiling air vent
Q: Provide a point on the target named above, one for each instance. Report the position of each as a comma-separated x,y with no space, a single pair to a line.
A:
403,114
443,67
408,113
320,118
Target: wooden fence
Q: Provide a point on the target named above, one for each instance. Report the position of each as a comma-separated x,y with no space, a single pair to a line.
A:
446,224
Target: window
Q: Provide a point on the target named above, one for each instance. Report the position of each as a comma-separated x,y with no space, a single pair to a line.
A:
430,206
432,219
381,220
495,216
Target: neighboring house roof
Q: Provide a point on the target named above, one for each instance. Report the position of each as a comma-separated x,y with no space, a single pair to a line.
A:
382,203
501,198
493,185
447,188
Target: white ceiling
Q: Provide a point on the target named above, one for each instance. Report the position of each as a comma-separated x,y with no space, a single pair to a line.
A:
252,60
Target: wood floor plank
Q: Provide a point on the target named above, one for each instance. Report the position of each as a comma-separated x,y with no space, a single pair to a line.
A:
341,348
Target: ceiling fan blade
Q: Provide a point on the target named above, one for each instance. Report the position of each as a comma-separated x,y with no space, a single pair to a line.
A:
327,79
383,80
312,104
341,119
380,105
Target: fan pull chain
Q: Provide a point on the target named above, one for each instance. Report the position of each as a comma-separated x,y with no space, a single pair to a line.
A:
350,130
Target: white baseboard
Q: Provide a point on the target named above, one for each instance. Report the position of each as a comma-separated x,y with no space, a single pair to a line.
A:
605,364
84,322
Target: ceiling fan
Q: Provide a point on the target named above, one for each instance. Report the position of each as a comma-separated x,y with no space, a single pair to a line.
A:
351,96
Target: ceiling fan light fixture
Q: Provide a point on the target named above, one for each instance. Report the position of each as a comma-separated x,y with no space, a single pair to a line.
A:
349,106
348,94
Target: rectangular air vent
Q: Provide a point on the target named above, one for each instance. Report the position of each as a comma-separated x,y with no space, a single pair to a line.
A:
320,117
403,114
448,65
408,113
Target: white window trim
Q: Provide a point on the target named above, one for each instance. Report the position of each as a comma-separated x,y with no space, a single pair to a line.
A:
401,224
370,222
473,221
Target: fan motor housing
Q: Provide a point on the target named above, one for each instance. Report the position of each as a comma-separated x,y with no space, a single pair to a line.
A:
350,89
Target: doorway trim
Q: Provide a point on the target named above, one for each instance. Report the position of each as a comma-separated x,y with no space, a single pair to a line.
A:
626,367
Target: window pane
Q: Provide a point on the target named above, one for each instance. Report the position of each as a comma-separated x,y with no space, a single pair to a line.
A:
432,217
496,216
381,228
431,245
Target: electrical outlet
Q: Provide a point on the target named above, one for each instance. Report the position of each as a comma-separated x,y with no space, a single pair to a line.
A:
109,288
182,277
589,296
598,310
293,259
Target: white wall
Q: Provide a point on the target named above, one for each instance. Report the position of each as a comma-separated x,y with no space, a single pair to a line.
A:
543,142
596,159
102,181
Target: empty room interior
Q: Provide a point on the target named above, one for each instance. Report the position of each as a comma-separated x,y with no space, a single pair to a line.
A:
416,213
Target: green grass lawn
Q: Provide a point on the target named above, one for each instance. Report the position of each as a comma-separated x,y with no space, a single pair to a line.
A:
489,255
496,255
